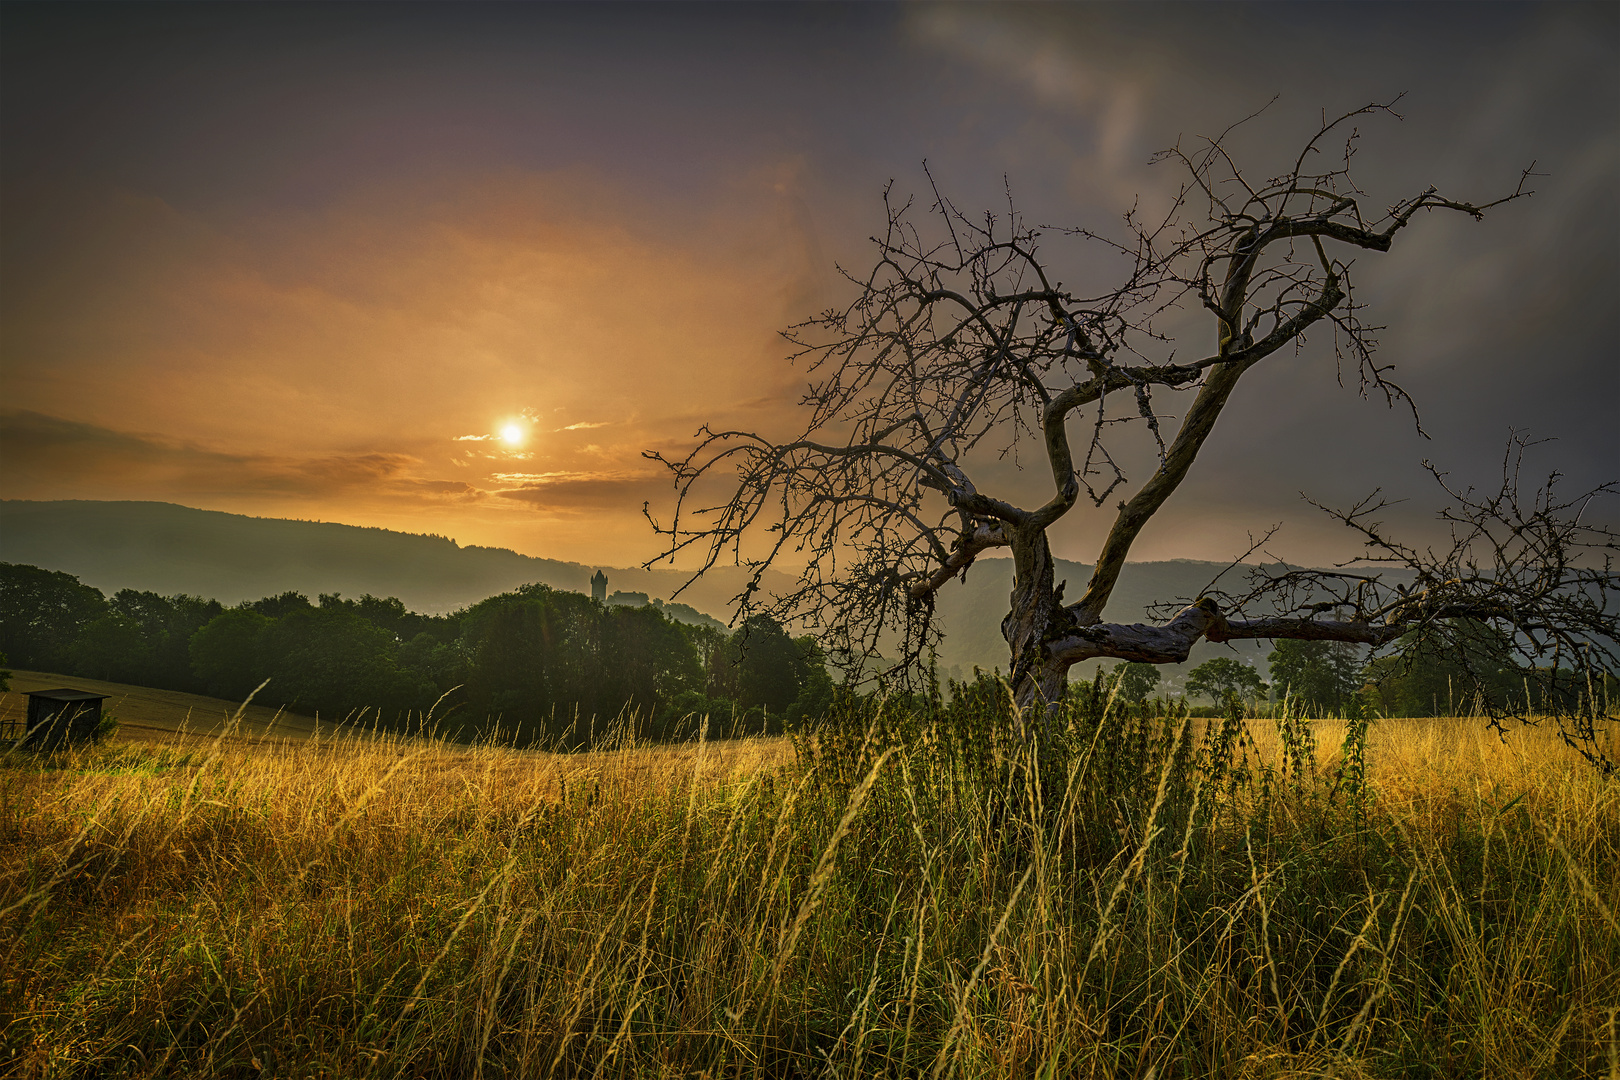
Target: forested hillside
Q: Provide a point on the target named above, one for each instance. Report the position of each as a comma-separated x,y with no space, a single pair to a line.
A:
534,662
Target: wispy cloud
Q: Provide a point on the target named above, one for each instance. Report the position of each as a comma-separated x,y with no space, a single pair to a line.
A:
567,476
571,492
49,455
583,425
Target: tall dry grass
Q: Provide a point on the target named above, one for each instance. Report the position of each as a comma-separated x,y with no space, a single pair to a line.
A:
1150,898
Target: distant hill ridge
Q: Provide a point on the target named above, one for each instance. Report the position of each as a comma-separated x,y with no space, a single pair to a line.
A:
169,549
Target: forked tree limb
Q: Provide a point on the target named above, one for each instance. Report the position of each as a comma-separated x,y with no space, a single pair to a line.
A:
962,346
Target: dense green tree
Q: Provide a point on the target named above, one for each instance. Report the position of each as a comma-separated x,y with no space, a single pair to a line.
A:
817,691
111,647
761,674
1470,665
166,624
335,664
719,660
505,639
442,663
769,668
581,676
708,642
750,674
1319,674
535,663
655,658
1136,681
42,613
714,694
390,614
543,661
277,606
229,653
684,715
1217,678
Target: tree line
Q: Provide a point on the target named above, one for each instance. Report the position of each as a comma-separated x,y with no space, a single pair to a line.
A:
532,664
538,663
1468,668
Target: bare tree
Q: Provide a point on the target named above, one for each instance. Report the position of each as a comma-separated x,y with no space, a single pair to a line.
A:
962,347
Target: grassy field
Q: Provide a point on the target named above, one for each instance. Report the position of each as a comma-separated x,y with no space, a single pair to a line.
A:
1168,898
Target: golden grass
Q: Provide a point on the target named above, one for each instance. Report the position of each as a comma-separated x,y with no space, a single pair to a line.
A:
380,906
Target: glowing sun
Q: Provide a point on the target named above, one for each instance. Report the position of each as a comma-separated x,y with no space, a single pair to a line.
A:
512,434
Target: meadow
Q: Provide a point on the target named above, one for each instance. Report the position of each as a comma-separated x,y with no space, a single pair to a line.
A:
905,893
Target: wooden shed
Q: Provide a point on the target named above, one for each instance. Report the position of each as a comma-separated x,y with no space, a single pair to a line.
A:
62,716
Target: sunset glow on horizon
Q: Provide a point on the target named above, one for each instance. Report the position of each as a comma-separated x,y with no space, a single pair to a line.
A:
458,269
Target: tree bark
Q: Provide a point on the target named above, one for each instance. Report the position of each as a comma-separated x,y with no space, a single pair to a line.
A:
1034,618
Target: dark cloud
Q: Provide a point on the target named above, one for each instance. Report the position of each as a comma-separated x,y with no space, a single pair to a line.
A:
576,493
44,453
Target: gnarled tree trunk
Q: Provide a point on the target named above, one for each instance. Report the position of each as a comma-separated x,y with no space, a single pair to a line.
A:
1034,618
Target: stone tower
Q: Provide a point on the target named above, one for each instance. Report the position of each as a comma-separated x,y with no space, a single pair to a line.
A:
599,587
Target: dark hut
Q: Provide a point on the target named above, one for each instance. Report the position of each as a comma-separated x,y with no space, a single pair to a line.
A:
59,717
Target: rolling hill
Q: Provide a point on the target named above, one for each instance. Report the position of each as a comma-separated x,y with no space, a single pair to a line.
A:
171,549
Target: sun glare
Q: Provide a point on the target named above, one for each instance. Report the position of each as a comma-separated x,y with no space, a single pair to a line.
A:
512,434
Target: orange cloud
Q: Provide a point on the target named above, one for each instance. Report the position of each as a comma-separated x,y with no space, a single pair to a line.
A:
46,454
279,361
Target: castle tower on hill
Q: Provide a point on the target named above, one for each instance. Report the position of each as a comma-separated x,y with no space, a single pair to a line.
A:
599,587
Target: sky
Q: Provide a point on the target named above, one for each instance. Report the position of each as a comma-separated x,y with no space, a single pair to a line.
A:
312,261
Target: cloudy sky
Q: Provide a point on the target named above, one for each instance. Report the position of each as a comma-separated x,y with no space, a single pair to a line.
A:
315,261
